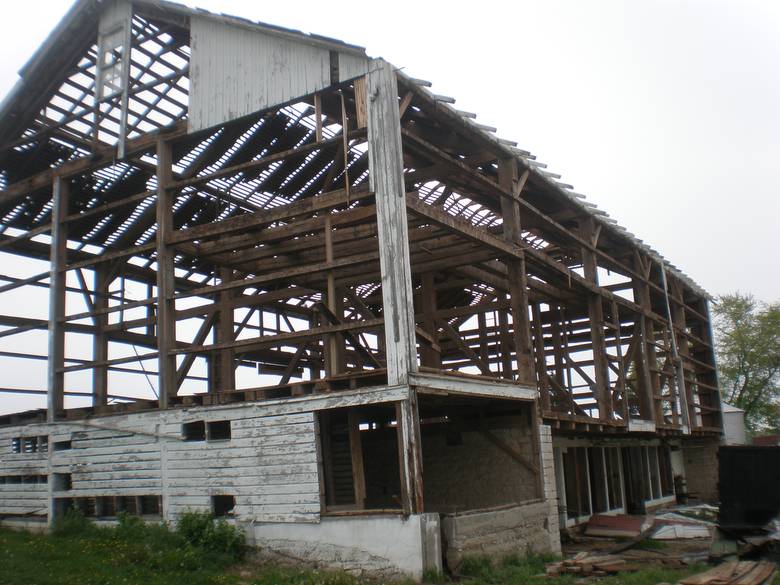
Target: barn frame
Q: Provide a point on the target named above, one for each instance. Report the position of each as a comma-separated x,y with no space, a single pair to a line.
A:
318,299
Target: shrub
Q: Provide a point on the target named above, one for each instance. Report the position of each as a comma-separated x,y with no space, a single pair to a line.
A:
475,565
73,523
202,530
433,576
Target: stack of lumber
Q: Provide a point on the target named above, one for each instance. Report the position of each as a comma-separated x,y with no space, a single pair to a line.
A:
590,564
735,573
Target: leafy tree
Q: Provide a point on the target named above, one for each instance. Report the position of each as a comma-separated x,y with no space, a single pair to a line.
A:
748,346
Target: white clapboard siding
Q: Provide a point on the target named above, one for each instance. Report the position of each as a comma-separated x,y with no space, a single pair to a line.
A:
269,464
26,499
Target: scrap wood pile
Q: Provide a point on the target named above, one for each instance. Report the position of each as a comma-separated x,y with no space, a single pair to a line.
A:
735,573
590,564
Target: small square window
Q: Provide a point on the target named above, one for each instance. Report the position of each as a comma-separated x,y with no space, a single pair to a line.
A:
194,431
16,445
62,445
149,505
219,430
223,505
62,482
30,444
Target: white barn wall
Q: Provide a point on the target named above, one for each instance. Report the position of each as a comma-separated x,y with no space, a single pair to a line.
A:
236,71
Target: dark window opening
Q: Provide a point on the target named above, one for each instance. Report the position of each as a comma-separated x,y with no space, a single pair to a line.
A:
575,475
194,431
219,430
615,487
127,504
223,505
598,484
62,445
665,465
149,505
16,445
62,482
360,463
112,506
105,506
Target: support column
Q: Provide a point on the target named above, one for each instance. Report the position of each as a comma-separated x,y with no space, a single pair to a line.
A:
679,347
596,318
58,261
386,170
645,358
100,339
225,378
166,315
410,454
333,346
386,177
518,285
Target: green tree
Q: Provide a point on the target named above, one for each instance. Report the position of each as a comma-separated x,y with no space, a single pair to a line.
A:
748,346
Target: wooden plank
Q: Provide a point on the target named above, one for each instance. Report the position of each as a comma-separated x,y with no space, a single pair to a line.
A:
166,308
264,217
386,176
59,258
356,454
100,339
518,287
596,317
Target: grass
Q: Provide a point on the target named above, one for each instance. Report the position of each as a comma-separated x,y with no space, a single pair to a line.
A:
81,553
202,552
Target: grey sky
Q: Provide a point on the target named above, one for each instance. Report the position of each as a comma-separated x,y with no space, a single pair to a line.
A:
663,113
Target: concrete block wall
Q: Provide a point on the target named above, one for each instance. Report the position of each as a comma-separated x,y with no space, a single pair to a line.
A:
700,458
384,546
550,489
476,473
521,529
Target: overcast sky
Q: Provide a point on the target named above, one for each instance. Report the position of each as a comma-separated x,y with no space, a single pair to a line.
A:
666,114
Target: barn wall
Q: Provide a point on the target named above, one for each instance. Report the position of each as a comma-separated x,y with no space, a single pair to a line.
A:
487,475
269,464
237,71
19,496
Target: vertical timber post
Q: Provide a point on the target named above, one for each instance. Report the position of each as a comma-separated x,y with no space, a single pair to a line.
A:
386,176
226,378
596,318
100,339
518,286
59,256
645,348
166,318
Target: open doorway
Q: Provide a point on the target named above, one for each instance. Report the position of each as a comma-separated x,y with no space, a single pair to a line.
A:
360,459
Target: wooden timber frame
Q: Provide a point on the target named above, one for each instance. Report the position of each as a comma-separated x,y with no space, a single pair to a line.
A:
353,236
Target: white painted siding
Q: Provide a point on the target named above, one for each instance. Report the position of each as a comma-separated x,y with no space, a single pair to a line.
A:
236,71
21,498
269,464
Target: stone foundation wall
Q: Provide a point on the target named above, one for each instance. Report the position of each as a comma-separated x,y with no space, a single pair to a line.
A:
523,529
